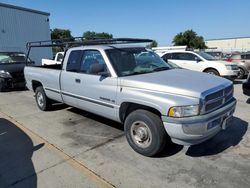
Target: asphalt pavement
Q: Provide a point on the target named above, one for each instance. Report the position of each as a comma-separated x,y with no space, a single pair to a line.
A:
68,147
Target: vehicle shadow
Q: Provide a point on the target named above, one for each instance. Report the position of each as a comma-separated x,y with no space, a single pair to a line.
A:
15,89
57,106
236,82
223,140
169,150
97,118
16,149
248,101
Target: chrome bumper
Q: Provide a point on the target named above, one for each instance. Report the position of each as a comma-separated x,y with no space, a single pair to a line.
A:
197,129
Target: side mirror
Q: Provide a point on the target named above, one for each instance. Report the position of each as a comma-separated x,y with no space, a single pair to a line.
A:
197,60
104,74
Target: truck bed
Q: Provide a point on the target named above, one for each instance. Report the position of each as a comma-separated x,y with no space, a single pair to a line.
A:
55,66
48,76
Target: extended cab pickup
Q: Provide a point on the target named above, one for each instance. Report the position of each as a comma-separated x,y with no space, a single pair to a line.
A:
155,103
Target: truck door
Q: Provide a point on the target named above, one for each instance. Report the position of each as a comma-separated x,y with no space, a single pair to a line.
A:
84,87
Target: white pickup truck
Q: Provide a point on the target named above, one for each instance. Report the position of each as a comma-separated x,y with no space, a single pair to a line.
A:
57,60
200,61
155,102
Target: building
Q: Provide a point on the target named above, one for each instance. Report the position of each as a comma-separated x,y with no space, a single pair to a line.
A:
230,44
20,25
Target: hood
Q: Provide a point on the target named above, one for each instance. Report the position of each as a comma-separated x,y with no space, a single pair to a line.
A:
175,81
12,68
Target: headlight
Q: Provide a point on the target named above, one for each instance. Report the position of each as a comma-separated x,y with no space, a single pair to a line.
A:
184,111
4,73
229,67
232,67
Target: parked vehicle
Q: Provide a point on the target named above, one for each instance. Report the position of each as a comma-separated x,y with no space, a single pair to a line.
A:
246,86
202,62
11,70
154,102
216,54
57,60
243,61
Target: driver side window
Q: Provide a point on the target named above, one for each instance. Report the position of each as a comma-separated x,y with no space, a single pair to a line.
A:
92,62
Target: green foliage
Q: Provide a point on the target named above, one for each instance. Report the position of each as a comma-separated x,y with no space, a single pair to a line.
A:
152,44
91,35
60,33
189,38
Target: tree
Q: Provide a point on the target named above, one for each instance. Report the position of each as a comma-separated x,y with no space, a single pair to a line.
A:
60,33
92,35
152,44
190,39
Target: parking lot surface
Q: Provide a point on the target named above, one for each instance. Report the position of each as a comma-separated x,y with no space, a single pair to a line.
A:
67,147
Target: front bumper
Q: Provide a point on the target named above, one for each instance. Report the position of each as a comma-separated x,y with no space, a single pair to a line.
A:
194,130
8,83
231,74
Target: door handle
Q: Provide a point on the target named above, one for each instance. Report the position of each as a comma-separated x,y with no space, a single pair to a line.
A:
77,80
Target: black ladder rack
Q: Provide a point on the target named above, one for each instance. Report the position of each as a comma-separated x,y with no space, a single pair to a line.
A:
80,41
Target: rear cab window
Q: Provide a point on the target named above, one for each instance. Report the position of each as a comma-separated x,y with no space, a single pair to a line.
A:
86,61
74,61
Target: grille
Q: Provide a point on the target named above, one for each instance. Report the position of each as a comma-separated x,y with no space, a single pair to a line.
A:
235,67
217,99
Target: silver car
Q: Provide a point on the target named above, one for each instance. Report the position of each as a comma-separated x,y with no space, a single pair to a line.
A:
243,61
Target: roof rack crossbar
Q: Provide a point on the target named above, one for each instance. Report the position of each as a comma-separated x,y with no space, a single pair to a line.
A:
82,41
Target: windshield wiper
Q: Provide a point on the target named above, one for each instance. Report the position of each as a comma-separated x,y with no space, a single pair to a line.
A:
161,69
136,73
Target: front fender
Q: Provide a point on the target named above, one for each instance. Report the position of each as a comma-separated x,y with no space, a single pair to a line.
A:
158,100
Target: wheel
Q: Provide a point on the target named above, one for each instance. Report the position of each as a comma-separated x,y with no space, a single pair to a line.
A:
212,71
2,85
145,132
42,101
241,73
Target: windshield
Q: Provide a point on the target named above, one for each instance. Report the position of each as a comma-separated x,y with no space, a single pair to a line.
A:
132,61
8,58
206,56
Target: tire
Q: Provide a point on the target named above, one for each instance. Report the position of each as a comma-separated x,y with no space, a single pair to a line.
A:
2,85
213,72
145,132
241,73
42,101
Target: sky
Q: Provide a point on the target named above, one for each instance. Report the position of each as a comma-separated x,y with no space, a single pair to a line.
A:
155,19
